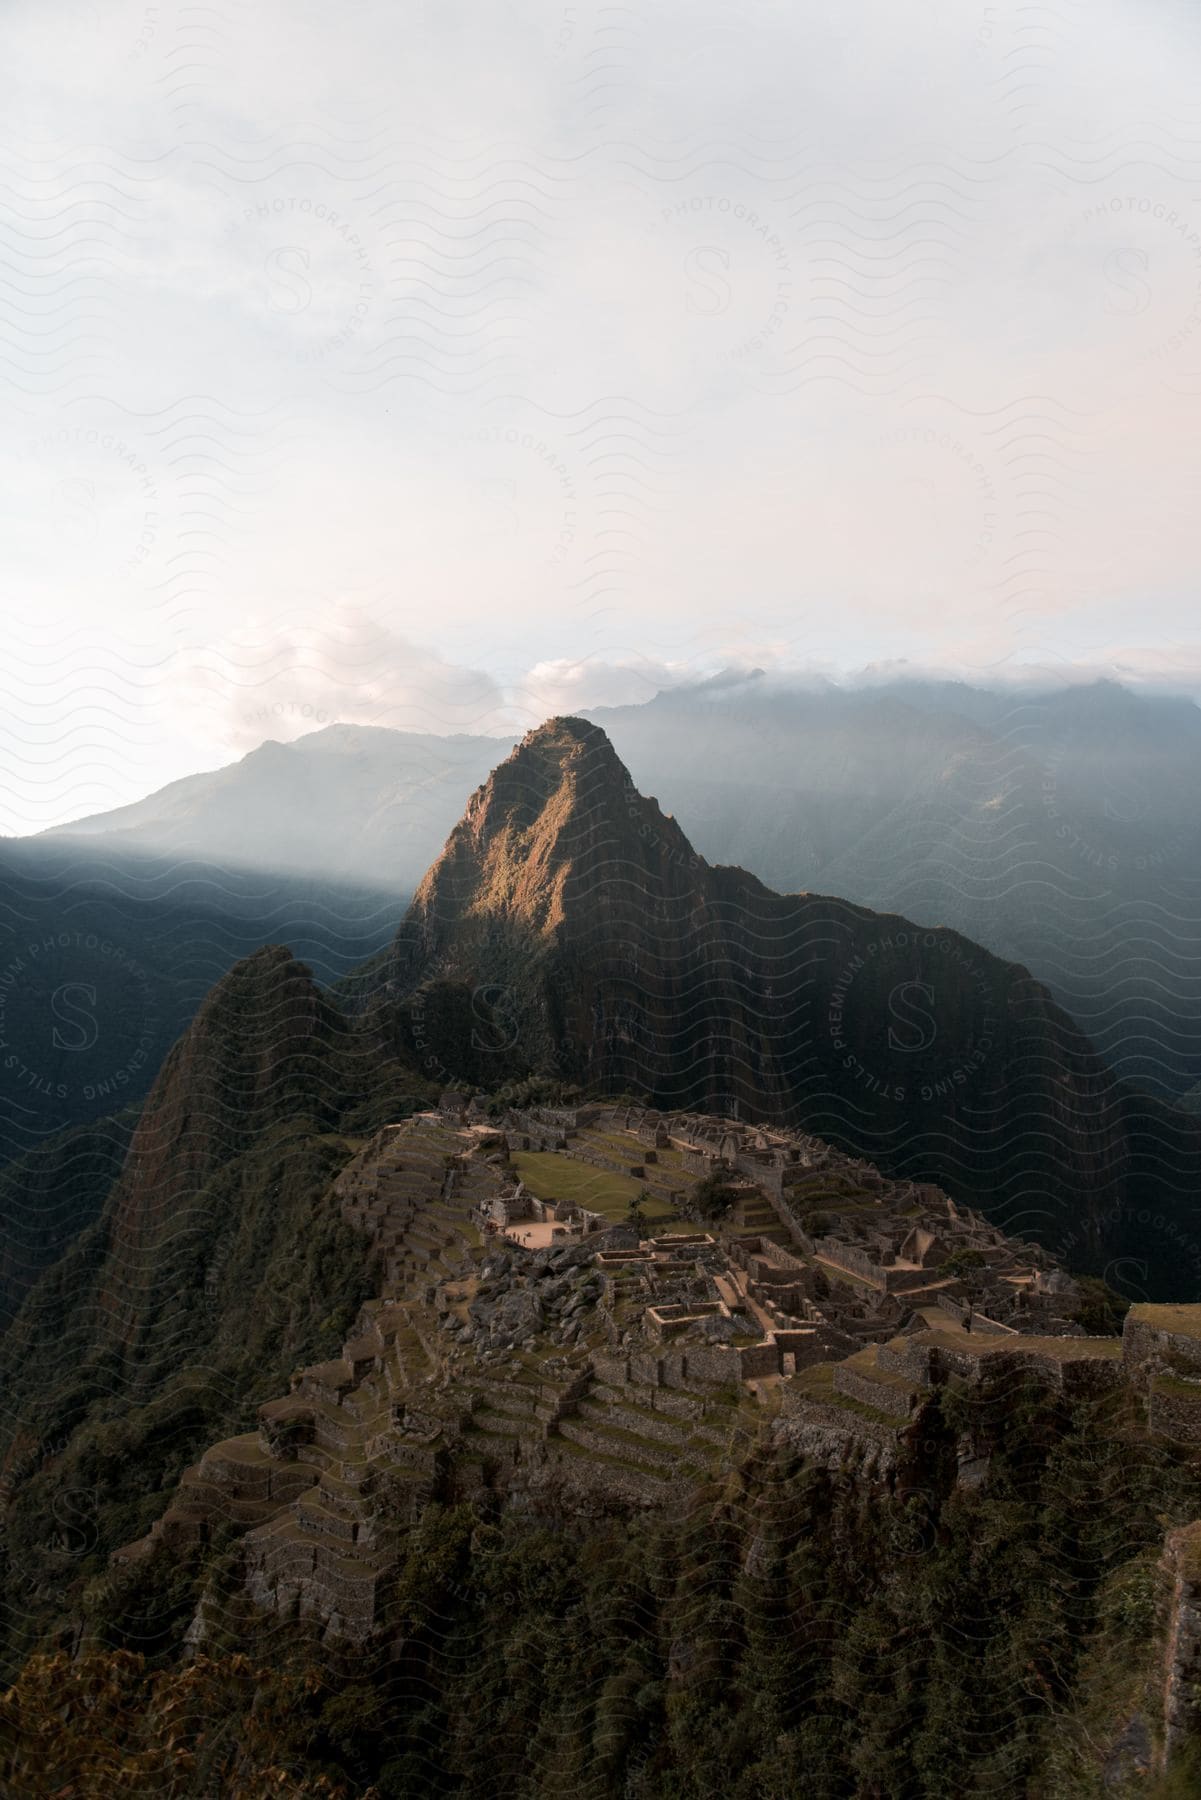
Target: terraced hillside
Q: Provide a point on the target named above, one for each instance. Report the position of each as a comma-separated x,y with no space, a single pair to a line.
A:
522,1342
339,1467
812,1387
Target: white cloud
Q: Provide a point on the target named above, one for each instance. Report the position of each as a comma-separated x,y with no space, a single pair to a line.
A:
588,347
283,680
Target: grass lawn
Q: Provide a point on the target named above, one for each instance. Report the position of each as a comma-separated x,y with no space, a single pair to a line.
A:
1176,1386
1064,1349
1184,1320
552,1177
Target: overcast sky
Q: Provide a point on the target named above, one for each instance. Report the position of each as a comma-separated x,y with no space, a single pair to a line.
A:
447,365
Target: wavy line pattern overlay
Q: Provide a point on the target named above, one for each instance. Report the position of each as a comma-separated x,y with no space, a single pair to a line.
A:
509,1285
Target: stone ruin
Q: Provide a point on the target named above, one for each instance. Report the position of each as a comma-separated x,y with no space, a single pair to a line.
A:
626,1367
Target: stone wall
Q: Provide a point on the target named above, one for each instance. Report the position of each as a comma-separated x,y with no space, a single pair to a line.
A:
910,1358
809,1346
708,1365
845,1256
1079,1376
881,1396
667,1321
782,1305
857,1262
762,1250
1147,1333
957,1310
613,1366
837,1439
1078,1372
766,1174
757,1360
1182,1675
1173,1411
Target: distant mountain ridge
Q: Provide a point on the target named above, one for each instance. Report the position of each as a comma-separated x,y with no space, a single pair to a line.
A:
347,801
1056,828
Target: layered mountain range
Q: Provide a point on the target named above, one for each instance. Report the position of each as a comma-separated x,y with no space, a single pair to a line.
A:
1055,827
568,941
569,930
345,802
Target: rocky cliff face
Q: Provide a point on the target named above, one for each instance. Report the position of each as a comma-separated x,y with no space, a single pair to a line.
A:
568,927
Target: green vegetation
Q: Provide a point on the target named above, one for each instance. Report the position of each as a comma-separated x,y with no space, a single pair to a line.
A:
712,1198
1101,1312
1178,1386
789,1631
1182,1781
965,1265
1190,1552
535,1090
781,1630
552,1177
50,1194
272,1280
206,1280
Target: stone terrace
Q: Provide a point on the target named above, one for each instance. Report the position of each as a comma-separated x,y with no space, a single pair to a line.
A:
826,1304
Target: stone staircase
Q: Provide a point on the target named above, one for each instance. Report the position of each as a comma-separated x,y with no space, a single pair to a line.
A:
754,1216
657,1437
413,1196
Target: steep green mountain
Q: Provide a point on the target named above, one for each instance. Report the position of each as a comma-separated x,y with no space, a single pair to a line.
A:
1053,827
50,1195
569,928
212,1267
104,960
105,957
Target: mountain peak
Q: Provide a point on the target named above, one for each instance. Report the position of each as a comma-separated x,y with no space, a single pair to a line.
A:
562,771
564,735
261,1050
559,813
262,981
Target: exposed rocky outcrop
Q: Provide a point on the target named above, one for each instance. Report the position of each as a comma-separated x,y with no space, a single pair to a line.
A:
1182,1678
